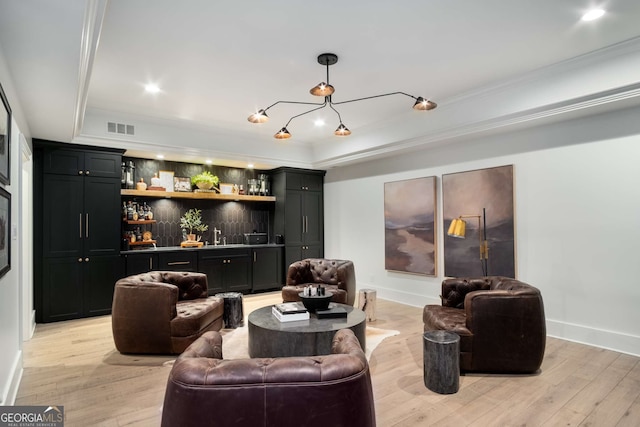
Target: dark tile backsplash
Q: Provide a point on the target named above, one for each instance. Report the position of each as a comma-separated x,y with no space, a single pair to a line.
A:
232,218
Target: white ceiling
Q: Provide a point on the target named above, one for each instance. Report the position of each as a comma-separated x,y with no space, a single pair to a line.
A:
77,64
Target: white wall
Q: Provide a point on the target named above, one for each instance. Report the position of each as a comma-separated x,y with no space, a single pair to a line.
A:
577,201
11,284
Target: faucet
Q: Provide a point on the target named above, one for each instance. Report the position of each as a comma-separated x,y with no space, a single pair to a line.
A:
216,232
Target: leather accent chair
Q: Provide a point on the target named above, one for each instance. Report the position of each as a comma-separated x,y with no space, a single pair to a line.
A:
337,276
500,322
313,391
163,312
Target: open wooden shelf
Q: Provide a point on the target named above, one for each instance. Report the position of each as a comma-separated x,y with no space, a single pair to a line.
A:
140,222
142,242
194,195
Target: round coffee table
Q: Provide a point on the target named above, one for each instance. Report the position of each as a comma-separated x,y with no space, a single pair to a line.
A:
268,337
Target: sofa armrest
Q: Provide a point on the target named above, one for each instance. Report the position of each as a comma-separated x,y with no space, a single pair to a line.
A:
137,299
142,313
508,329
347,280
455,290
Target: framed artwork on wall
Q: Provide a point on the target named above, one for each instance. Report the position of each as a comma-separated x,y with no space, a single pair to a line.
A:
5,231
479,223
5,138
409,226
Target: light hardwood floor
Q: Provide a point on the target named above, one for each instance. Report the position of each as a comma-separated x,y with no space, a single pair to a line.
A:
75,364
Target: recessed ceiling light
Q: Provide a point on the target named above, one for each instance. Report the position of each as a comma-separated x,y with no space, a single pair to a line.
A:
160,156
151,88
319,122
208,161
593,14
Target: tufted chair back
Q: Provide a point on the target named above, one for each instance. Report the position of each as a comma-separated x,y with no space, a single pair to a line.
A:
311,391
190,285
338,276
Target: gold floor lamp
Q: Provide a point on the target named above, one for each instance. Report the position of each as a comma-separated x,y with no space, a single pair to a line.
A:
458,227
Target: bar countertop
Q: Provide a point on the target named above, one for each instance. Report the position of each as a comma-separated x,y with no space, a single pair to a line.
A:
202,248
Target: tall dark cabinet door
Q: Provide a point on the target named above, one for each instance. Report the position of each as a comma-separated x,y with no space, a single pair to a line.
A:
312,208
63,206
62,289
294,225
100,276
101,223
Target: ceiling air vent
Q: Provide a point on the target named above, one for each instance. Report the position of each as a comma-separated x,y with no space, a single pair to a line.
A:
120,128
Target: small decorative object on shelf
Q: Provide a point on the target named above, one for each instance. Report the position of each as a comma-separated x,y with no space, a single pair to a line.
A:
226,188
205,181
156,184
141,185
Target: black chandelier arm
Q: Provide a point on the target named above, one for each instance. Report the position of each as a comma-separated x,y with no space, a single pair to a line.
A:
330,105
374,96
321,106
293,102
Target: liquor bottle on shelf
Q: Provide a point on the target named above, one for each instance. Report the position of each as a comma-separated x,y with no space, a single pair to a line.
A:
123,175
149,213
131,167
130,211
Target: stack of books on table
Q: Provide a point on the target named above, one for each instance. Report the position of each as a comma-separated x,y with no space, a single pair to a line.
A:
290,312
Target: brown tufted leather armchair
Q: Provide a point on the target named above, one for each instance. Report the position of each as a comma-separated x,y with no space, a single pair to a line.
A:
337,276
163,312
313,391
500,322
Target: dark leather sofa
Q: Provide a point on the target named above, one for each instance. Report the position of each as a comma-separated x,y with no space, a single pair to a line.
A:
337,276
163,312
500,322
315,391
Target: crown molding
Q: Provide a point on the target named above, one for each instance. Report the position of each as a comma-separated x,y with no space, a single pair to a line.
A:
91,28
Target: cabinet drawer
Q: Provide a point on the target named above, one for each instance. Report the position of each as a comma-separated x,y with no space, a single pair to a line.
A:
207,254
178,261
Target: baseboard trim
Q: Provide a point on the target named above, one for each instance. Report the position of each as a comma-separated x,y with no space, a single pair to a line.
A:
608,340
9,398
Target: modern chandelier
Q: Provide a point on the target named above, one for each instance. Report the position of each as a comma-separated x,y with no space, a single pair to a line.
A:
325,90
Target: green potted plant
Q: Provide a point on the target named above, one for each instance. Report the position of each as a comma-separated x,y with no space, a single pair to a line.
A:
205,180
192,221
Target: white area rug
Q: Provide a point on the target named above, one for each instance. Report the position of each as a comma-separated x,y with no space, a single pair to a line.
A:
235,342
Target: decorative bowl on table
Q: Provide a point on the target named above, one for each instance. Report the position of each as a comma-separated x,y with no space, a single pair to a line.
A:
316,302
